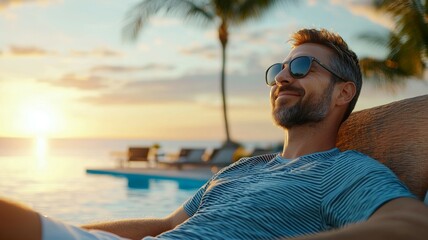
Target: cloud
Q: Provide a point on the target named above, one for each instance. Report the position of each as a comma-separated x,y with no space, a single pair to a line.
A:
129,69
78,82
365,9
254,36
98,52
208,51
23,51
190,88
9,3
161,90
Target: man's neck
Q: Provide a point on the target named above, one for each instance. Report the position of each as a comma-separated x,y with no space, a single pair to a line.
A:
307,139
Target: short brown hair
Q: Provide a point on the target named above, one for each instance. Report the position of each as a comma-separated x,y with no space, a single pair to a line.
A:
344,62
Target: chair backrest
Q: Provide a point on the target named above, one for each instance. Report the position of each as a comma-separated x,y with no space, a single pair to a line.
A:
395,134
192,155
138,153
184,152
222,156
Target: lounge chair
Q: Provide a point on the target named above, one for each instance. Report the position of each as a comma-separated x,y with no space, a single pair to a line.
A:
187,156
222,157
395,134
138,154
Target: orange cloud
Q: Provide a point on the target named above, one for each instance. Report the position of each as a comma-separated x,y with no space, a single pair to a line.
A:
78,82
23,51
9,3
99,52
128,69
365,9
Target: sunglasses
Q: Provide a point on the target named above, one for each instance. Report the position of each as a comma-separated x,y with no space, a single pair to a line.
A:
298,68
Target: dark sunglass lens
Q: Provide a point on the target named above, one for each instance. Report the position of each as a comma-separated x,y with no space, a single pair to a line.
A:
300,66
272,72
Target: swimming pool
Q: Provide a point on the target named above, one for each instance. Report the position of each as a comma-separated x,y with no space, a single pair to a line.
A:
59,187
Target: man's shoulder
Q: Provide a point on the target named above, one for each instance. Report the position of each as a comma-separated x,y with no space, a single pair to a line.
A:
248,162
352,159
264,158
353,155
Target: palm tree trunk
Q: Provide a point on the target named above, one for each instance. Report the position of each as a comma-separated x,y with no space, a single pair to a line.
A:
223,36
223,90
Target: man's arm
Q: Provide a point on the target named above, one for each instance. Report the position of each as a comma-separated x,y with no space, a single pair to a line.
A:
18,221
401,218
139,228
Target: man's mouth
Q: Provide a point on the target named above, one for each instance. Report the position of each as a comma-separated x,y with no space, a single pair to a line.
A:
289,92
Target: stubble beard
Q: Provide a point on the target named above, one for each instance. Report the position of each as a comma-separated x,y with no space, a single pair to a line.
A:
313,110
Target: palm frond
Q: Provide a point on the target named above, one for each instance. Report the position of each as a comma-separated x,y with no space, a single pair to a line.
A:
375,38
382,72
410,17
138,16
409,59
407,43
224,8
395,8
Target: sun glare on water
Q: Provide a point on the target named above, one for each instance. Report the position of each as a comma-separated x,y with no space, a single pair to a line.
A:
41,150
39,121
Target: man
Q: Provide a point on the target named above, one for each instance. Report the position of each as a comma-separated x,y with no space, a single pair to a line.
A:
309,191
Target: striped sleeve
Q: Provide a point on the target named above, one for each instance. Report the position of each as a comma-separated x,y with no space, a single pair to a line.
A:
360,190
192,204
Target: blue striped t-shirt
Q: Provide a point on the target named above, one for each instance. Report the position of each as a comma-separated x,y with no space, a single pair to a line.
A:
267,197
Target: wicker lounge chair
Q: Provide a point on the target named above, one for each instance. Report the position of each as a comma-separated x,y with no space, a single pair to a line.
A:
395,134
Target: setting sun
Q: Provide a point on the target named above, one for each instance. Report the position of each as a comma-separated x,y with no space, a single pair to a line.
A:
39,119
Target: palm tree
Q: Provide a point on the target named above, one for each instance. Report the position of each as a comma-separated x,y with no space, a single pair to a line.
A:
407,44
225,13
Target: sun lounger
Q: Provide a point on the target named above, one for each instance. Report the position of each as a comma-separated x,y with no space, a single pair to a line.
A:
396,134
222,157
138,154
187,156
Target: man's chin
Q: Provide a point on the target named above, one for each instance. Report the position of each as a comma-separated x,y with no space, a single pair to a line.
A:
285,124
281,105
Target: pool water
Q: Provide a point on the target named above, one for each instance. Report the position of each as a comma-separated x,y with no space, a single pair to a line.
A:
59,187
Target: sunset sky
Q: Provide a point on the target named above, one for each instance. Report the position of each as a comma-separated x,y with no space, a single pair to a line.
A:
66,72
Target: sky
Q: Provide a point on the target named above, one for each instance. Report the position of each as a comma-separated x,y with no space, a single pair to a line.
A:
66,72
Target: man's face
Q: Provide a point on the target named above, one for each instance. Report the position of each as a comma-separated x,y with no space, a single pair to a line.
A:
305,100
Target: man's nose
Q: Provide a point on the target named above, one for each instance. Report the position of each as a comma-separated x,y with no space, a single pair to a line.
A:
283,77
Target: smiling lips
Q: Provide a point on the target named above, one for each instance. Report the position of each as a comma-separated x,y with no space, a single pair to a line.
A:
289,92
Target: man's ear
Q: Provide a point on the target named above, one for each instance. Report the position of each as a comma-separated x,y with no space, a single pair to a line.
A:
347,91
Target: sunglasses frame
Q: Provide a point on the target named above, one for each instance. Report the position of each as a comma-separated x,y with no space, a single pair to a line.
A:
312,59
